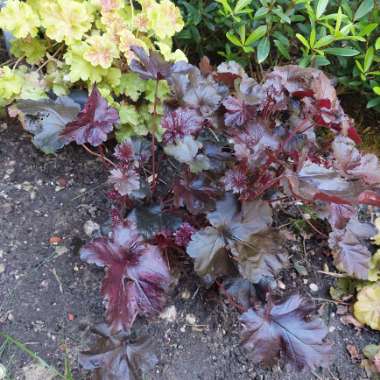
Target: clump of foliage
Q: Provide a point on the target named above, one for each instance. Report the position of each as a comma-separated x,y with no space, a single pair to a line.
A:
61,45
210,185
341,36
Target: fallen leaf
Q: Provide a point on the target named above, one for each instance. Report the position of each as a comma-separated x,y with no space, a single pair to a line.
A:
35,371
55,240
350,320
353,351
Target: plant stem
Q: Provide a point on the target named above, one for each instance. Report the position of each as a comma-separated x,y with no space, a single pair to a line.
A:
153,146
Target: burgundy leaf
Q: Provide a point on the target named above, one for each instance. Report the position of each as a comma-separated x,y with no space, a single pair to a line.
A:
238,112
285,328
180,123
151,66
125,180
236,179
263,256
205,66
136,279
114,357
349,247
183,234
340,214
195,193
238,232
125,151
93,123
240,290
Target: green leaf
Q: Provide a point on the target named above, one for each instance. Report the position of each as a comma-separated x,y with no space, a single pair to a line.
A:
377,43
261,12
364,8
282,49
338,20
368,29
359,66
263,50
373,102
322,61
242,34
256,35
368,59
303,40
324,41
313,35
232,38
376,90
342,52
321,7
305,61
240,5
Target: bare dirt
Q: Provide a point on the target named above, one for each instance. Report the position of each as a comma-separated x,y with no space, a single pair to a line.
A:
48,296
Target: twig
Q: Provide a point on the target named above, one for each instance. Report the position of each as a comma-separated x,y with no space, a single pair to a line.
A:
333,274
331,301
58,280
102,157
50,58
17,63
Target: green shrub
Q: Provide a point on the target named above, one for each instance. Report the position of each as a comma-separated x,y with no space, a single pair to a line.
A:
340,36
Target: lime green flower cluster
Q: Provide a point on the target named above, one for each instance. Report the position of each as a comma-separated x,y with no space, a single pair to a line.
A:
60,44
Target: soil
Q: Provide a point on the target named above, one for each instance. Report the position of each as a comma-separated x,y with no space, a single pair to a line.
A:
48,296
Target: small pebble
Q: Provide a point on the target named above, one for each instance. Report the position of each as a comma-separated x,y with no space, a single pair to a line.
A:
3,372
185,295
2,268
313,287
169,314
90,227
191,319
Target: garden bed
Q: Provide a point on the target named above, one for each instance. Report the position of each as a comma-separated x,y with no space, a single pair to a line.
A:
49,297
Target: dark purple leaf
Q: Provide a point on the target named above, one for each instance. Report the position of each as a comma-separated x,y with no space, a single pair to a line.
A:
195,193
151,220
151,66
236,179
286,328
238,112
238,232
262,256
125,180
183,234
125,151
240,290
137,277
179,123
114,357
350,248
46,119
93,123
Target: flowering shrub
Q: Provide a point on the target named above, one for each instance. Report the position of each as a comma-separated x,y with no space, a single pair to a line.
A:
65,44
209,183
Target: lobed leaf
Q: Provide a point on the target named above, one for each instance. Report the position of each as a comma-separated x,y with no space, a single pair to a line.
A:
285,328
137,277
93,123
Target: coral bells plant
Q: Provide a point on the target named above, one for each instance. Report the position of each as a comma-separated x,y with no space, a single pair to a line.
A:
209,186
209,181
